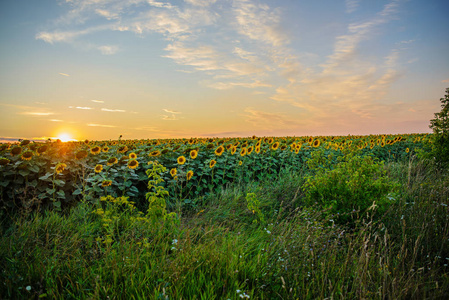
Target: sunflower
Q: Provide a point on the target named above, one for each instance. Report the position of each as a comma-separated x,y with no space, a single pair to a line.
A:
106,183
275,146
316,143
122,149
4,161
212,163
233,149
219,151
60,167
310,140
249,150
27,155
173,172
105,149
164,151
181,160
132,164
132,155
16,151
42,149
98,168
189,175
95,150
243,152
407,150
240,162
154,153
193,154
228,146
210,146
257,149
81,154
24,142
292,146
112,161
283,147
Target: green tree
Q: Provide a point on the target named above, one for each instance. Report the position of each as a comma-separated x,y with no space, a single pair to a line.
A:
440,127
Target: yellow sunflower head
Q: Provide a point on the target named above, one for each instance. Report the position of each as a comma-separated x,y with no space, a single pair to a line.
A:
316,143
112,161
60,167
98,168
132,155
407,150
106,183
249,150
122,149
16,150
27,155
275,146
219,151
233,149
4,161
132,164
240,162
181,160
95,150
257,149
189,175
193,154
243,152
173,172
105,149
42,149
81,154
212,163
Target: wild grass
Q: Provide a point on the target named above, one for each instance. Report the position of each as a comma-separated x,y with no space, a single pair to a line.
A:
222,250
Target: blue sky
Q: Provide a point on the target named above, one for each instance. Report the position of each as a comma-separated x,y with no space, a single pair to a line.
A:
157,69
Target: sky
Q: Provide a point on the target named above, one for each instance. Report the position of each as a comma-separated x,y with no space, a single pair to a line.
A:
144,69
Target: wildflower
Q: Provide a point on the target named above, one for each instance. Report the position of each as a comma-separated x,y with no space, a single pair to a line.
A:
95,150
106,183
407,150
316,143
219,151
193,154
112,161
132,164
173,172
212,163
275,146
98,168
189,175
27,155
60,167
240,163
181,160
132,155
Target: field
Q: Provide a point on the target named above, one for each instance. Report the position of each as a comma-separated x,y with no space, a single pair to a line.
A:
224,218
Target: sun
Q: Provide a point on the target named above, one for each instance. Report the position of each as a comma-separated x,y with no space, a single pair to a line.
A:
65,137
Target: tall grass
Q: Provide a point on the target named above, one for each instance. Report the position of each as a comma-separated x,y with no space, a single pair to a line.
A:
222,250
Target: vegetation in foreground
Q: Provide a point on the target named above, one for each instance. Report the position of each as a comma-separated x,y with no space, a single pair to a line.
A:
269,239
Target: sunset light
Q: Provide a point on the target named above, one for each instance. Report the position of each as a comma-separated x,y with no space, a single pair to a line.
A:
65,137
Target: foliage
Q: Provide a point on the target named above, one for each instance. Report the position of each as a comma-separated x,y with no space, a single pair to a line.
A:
440,127
355,185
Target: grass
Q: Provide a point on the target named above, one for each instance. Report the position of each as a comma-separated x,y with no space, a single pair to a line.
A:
221,250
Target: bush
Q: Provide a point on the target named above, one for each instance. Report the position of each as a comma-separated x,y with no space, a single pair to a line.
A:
356,184
440,127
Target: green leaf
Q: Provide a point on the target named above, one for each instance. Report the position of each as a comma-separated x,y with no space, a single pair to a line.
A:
24,173
50,191
60,194
57,204
77,192
4,183
34,168
59,182
46,176
33,183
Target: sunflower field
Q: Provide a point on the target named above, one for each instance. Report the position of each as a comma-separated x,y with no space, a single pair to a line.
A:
56,174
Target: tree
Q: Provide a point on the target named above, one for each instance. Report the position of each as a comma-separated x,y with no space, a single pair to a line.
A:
440,127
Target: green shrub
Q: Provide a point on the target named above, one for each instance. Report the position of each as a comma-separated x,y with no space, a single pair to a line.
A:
440,139
357,184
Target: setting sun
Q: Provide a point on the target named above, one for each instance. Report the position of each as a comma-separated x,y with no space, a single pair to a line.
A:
65,137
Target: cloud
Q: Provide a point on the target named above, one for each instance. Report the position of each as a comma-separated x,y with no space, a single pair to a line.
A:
55,120
269,120
352,5
171,111
82,107
445,80
108,50
100,125
35,113
64,74
201,2
113,110
97,101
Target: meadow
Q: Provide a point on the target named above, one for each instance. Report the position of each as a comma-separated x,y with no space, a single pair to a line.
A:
311,217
